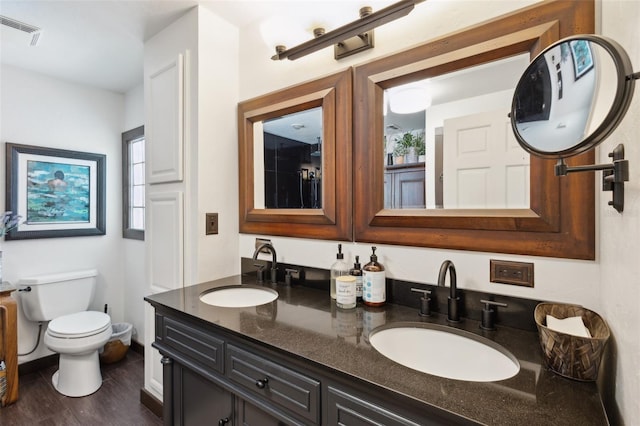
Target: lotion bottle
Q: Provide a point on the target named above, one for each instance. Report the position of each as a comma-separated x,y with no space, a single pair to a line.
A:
338,269
374,286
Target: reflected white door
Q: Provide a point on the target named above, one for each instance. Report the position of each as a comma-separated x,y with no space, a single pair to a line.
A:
483,165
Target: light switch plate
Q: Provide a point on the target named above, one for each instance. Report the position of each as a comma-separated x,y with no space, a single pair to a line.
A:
211,224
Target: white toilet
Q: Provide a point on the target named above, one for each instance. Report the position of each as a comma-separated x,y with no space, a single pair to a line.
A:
73,332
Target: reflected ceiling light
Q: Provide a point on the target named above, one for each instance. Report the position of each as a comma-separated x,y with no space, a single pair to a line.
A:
350,38
409,99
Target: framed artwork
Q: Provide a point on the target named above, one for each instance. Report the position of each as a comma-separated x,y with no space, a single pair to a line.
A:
582,57
58,193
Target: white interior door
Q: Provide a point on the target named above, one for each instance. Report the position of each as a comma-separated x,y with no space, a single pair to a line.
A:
483,165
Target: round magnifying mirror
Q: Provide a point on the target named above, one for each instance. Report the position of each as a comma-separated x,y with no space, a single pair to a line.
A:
572,96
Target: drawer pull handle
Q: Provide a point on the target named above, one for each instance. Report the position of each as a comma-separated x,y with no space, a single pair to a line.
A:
223,422
262,383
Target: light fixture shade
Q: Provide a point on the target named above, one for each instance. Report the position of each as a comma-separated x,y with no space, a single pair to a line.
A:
409,99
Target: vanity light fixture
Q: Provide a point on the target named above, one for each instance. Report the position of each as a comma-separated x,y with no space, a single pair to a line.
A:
351,38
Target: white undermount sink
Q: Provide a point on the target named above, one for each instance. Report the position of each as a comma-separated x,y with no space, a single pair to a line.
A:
445,352
238,296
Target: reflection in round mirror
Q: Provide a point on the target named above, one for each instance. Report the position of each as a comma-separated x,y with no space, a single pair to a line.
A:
572,96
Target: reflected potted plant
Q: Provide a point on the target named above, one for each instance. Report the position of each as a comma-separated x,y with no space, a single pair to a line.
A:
422,148
412,144
399,152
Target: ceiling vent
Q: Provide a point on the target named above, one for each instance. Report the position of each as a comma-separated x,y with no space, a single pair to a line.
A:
32,31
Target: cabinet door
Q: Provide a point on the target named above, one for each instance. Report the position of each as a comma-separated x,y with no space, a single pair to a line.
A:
197,401
408,189
165,133
388,190
164,240
250,415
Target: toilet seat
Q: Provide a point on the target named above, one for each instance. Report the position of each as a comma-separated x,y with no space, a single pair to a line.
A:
79,325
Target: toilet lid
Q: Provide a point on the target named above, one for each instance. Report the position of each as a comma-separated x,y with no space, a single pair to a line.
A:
80,324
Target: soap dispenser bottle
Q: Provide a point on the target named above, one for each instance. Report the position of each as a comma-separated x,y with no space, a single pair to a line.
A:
356,271
338,269
374,285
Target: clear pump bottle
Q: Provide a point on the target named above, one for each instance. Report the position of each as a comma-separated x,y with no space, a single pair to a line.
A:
356,271
339,268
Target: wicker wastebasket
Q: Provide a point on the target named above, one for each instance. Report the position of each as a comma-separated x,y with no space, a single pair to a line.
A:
572,356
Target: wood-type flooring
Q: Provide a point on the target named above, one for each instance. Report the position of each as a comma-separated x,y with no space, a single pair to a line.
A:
116,403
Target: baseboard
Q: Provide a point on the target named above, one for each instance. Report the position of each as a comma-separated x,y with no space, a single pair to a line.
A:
137,347
37,364
151,402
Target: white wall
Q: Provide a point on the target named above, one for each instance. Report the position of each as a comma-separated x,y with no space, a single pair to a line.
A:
217,155
620,233
42,111
608,285
133,259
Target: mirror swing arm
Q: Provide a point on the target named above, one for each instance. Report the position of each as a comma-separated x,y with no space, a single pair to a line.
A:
614,175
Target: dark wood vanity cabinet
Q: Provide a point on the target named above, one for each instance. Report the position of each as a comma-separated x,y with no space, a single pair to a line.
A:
211,378
218,378
195,400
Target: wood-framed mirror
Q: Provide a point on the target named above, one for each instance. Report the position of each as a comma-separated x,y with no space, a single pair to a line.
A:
560,218
295,156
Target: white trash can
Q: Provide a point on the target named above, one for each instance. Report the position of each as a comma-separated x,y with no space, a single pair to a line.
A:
118,345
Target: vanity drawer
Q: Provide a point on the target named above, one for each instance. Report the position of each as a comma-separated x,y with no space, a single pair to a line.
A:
194,343
289,389
348,409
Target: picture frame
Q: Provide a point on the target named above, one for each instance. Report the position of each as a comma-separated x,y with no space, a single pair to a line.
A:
582,57
57,192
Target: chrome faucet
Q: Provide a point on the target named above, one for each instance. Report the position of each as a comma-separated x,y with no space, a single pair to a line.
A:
454,301
274,263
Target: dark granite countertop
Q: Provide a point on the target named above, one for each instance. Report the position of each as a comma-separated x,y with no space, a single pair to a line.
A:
305,322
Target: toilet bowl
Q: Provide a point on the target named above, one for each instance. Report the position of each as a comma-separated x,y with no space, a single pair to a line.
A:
77,338
73,332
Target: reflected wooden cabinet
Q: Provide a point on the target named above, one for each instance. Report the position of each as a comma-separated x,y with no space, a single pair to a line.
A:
404,186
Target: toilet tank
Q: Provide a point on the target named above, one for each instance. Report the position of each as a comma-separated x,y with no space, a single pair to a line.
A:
45,297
